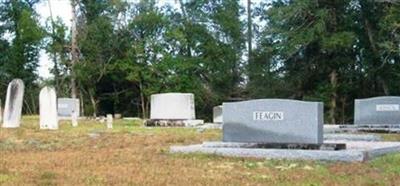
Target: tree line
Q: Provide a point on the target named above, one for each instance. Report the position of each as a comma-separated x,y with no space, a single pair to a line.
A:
120,52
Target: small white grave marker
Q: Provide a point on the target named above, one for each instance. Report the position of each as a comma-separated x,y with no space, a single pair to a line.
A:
109,121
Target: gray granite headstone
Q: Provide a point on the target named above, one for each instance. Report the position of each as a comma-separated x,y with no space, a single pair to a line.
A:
14,101
67,107
273,121
217,114
377,110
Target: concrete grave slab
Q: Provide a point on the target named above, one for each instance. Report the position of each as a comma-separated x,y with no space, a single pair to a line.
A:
356,151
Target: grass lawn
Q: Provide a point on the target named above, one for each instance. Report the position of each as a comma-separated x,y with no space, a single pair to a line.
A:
130,154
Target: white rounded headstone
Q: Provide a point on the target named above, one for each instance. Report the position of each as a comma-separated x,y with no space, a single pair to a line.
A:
48,108
13,107
172,106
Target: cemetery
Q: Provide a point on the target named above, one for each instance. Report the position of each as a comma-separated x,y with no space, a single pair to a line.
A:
190,92
263,131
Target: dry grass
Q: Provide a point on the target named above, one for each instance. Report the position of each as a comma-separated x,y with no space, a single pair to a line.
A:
132,155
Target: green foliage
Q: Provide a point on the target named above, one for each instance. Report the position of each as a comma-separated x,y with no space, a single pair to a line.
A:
318,50
19,57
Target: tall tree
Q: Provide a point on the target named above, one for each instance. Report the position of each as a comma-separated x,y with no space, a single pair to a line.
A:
20,57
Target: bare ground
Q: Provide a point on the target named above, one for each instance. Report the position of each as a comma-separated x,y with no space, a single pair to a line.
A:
130,154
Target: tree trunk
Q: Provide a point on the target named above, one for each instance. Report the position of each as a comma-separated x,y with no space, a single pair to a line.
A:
94,103
54,53
81,104
74,49
343,104
332,112
142,101
249,30
384,85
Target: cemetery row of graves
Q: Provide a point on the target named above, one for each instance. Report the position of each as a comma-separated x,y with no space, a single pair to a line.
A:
262,128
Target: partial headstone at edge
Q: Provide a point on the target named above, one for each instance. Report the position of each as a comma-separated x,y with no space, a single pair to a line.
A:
14,102
378,110
1,111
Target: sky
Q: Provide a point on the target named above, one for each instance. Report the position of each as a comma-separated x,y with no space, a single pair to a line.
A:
62,9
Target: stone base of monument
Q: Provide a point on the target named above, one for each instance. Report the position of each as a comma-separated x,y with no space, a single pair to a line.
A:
210,126
353,137
373,128
70,118
324,146
355,150
172,123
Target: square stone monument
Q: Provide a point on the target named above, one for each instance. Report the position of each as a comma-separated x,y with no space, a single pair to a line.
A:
378,110
273,121
66,107
172,110
284,129
217,114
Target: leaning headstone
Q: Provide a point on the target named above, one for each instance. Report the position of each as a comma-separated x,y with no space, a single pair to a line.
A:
48,108
67,107
109,121
217,114
273,121
13,106
377,110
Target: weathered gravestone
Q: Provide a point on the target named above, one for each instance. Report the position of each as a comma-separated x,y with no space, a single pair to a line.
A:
48,108
172,106
13,106
67,107
377,110
273,121
109,121
172,109
217,114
